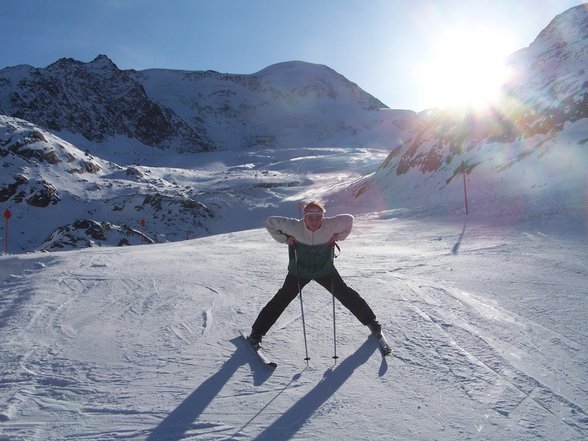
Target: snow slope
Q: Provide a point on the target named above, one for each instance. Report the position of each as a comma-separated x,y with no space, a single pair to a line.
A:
486,318
532,176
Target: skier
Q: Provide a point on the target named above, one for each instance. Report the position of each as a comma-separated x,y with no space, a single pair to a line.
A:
312,241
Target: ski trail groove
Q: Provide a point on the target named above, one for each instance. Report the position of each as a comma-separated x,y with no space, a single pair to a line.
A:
474,347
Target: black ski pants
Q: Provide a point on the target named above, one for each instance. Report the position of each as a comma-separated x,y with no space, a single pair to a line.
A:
288,292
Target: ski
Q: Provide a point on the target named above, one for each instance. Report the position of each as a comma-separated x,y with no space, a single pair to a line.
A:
262,357
384,346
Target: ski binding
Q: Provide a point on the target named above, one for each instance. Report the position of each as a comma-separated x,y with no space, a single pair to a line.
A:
260,354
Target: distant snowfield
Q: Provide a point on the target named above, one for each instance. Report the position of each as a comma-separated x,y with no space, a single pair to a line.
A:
240,187
486,317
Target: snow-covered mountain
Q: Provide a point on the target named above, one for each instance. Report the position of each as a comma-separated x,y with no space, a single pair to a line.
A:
550,80
285,105
146,127
531,142
169,155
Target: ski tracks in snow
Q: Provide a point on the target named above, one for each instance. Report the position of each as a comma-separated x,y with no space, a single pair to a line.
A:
95,346
527,366
497,357
135,327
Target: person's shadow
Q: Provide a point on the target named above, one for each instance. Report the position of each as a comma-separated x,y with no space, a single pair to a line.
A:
290,422
181,419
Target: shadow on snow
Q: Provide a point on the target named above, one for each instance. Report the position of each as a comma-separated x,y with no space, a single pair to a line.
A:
287,425
180,420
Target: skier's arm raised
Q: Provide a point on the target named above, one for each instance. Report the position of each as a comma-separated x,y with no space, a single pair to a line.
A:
281,228
341,226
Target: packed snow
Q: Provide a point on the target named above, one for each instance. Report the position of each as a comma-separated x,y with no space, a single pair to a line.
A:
486,315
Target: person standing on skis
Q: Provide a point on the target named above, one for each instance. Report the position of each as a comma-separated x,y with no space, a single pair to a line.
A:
311,240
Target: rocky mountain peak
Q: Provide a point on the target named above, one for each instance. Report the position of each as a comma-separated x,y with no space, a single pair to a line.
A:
565,28
101,58
103,64
96,100
64,63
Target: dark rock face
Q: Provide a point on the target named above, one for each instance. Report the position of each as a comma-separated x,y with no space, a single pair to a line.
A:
95,99
35,193
44,195
10,190
85,233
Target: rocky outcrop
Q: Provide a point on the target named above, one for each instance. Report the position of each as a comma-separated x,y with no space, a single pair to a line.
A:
96,100
84,233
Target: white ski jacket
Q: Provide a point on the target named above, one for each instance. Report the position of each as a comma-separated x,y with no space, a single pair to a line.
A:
337,227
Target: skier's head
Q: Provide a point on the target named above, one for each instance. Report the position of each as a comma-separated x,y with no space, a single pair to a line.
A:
313,215
314,208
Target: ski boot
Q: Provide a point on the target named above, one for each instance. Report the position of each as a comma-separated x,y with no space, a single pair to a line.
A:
375,328
255,339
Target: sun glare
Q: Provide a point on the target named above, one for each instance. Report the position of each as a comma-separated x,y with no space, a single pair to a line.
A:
466,68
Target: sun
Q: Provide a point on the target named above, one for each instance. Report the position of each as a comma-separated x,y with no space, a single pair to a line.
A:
466,68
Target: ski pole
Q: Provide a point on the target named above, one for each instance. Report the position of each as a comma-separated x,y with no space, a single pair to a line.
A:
301,308
335,356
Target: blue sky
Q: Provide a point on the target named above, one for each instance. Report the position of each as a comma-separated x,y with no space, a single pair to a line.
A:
393,49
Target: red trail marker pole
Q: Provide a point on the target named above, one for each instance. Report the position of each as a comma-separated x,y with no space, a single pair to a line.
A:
7,215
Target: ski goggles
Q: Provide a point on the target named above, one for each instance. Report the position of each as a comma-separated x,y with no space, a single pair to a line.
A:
314,214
